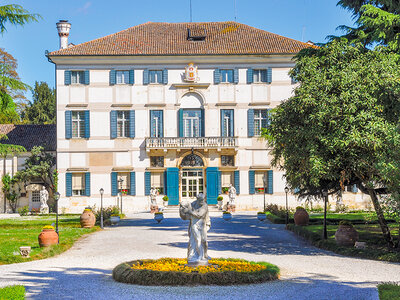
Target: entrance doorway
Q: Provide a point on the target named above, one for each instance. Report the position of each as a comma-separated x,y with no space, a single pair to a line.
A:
192,183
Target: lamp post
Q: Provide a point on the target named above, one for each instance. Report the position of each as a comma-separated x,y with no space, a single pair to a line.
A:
56,198
265,186
325,195
101,208
287,207
120,190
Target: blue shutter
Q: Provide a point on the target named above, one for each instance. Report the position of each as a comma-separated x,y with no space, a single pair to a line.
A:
236,75
113,124
219,183
132,124
202,121
232,123
87,124
68,184
250,122
172,184
212,185
87,184
180,120
87,77
250,76
68,124
161,123
222,122
252,189
165,76
354,188
230,75
269,75
147,183
236,181
145,76
132,178
67,77
217,76
114,184
270,179
152,123
131,76
113,79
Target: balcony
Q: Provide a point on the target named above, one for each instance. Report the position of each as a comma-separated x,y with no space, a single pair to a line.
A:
166,143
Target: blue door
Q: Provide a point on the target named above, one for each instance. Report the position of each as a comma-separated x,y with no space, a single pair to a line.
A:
172,184
212,174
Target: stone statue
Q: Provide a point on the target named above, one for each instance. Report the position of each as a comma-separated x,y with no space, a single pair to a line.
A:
232,194
44,196
153,196
197,213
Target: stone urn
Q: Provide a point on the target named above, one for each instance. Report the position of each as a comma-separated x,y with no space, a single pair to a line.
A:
346,235
301,217
227,216
48,237
88,219
261,216
158,216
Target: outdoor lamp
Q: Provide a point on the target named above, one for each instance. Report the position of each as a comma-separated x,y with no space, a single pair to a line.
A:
101,208
120,184
56,198
287,207
325,195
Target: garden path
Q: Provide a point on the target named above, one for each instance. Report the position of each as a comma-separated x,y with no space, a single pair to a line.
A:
84,271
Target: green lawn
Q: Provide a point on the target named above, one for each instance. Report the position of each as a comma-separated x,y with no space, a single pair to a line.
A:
389,291
24,231
15,292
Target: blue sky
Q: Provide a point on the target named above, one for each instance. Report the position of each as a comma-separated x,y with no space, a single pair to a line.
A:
299,19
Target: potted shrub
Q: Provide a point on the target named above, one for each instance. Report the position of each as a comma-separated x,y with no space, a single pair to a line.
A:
346,235
227,216
48,236
220,200
261,216
158,216
115,218
301,216
165,200
88,219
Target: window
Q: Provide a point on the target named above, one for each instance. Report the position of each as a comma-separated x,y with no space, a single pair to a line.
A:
77,77
259,178
157,161
227,160
156,123
191,123
155,76
260,75
260,120
36,196
226,181
227,76
123,123
157,181
78,184
124,186
122,77
227,122
78,124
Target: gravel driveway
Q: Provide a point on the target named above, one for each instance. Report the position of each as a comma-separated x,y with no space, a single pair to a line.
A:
84,272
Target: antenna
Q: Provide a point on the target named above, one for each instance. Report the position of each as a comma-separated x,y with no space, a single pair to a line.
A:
303,33
234,8
190,11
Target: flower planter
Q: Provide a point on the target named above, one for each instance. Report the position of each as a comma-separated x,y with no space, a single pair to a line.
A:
47,237
115,220
158,217
346,235
301,217
261,216
227,216
88,219
220,203
165,203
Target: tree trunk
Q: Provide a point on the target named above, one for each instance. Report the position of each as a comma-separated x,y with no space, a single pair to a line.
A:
4,194
381,218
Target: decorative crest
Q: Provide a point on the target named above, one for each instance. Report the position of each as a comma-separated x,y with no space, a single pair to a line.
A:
191,73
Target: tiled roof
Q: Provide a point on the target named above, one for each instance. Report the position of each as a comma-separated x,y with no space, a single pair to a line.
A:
30,135
172,39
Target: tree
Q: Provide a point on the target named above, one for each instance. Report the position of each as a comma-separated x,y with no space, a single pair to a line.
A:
11,191
43,108
15,15
340,127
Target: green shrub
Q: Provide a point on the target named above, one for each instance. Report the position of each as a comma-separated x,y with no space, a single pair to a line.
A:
165,198
276,210
107,212
23,211
389,291
220,198
15,292
225,190
300,208
345,223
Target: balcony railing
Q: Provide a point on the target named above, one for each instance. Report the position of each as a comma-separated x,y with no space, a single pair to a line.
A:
191,142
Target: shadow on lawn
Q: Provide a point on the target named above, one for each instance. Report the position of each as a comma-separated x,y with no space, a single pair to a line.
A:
95,283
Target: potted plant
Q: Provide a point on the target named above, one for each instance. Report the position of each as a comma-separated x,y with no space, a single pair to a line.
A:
346,235
301,216
48,236
220,200
225,190
115,218
158,216
227,216
261,216
165,200
88,219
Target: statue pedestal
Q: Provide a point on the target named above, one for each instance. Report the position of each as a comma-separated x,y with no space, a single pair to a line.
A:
194,264
231,207
153,209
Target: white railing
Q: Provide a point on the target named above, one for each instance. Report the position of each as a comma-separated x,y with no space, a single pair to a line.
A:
191,142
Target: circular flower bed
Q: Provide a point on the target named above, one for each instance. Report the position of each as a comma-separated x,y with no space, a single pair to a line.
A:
173,271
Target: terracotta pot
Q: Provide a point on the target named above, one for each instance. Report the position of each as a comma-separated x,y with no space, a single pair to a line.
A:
346,235
47,238
88,219
301,217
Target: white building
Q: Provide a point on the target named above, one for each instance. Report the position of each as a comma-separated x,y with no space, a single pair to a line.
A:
128,110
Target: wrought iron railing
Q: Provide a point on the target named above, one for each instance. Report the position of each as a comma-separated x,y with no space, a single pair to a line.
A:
191,142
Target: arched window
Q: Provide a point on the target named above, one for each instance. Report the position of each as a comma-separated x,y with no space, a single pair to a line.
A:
192,160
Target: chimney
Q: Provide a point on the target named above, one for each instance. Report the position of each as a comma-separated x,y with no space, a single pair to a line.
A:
63,28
